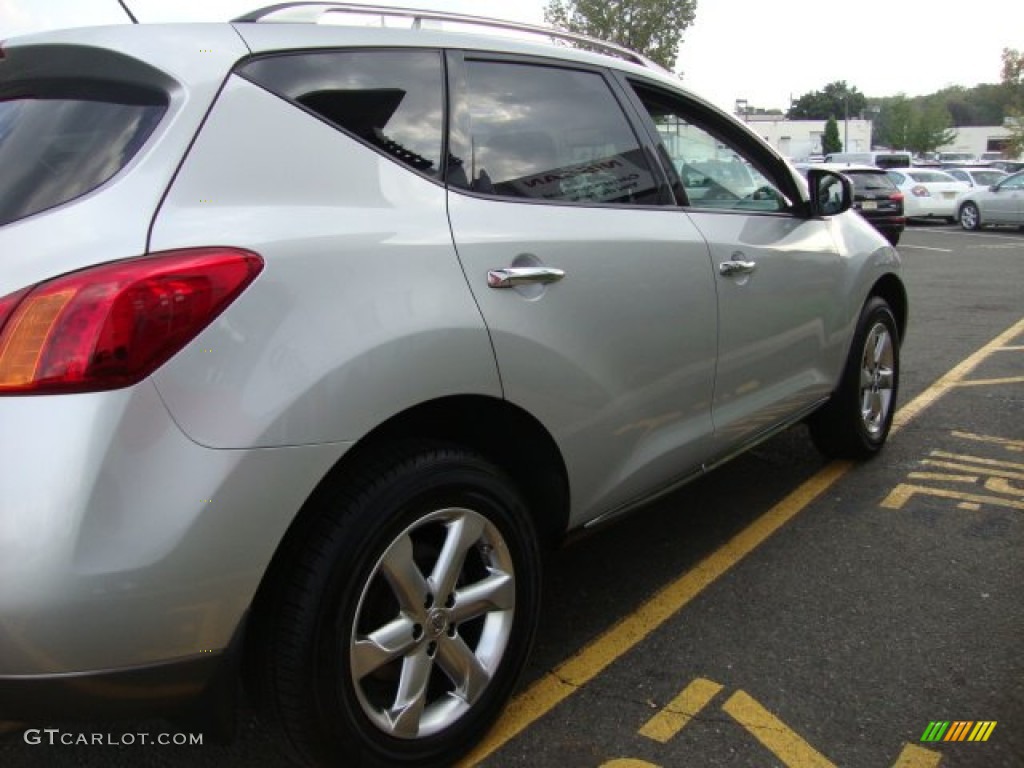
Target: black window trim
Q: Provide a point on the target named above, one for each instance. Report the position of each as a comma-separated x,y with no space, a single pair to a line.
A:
720,126
459,107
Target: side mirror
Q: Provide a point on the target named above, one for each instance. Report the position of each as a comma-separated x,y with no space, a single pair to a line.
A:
831,193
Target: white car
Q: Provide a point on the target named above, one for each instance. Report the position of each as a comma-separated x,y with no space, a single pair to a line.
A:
1002,203
928,193
977,177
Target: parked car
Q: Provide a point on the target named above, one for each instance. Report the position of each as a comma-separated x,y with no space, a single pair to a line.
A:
875,197
312,336
1002,203
928,193
977,176
1010,166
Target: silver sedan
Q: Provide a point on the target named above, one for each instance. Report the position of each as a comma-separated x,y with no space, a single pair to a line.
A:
1002,203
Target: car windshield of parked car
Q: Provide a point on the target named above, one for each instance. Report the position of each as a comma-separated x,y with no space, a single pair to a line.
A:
930,177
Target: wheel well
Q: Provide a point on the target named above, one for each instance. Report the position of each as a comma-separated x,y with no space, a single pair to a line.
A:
501,432
891,289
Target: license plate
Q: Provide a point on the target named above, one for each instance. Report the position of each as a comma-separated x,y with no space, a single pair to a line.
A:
949,195
868,205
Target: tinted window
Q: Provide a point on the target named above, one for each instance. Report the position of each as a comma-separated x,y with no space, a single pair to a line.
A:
713,170
552,134
892,161
988,178
870,182
392,100
61,140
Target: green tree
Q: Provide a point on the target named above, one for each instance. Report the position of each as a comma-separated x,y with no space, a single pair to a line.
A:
930,129
830,139
653,28
895,120
1013,83
835,99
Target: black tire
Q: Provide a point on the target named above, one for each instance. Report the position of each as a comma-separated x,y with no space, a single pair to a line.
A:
892,235
970,217
855,423
352,586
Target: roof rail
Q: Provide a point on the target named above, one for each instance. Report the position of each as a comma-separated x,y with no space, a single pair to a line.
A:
312,12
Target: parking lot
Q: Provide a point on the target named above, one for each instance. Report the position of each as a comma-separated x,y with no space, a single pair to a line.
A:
786,611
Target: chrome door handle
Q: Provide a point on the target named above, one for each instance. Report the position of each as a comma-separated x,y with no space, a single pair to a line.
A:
510,277
738,267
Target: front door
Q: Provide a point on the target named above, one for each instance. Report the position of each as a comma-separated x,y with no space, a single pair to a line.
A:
598,292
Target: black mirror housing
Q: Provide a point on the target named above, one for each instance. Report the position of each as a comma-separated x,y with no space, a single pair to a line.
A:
831,192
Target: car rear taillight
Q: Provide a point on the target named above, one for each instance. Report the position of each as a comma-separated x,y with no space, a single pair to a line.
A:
920,191
111,326
896,197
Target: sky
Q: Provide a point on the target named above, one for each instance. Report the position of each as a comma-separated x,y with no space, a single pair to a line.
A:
763,51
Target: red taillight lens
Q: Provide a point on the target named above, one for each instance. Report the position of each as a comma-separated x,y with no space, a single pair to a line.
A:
920,191
896,197
111,326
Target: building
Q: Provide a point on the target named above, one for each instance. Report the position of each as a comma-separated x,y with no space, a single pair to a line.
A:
801,139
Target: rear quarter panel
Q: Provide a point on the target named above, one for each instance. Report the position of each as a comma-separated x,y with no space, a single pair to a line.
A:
362,310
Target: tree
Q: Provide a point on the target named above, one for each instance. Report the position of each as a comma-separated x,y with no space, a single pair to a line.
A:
830,139
1013,83
653,28
835,99
919,125
894,124
930,129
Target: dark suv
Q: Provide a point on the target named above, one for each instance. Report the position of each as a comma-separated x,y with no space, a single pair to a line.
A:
875,197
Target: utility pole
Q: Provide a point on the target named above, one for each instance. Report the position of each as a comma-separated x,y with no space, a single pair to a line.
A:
846,121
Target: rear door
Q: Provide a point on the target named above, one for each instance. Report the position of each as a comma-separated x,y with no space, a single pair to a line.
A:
598,292
778,274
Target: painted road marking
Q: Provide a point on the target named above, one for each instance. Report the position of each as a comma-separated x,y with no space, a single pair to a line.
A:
999,476
940,250
788,746
681,710
917,757
583,666
783,742
1010,445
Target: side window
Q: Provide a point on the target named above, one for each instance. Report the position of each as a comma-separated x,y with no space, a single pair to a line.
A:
391,100
714,172
1017,182
546,133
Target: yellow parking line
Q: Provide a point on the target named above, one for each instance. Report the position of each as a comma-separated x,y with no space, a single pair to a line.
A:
917,757
992,382
556,686
774,734
953,377
682,709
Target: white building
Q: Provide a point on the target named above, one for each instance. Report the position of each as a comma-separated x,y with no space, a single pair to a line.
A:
977,139
800,139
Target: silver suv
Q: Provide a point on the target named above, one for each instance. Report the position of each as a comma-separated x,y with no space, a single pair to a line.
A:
312,336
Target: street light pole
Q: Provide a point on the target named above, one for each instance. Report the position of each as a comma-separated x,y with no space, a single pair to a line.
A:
846,122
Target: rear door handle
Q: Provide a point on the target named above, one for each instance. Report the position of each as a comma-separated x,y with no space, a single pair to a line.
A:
510,277
737,267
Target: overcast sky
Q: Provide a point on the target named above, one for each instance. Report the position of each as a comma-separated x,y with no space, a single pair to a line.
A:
758,50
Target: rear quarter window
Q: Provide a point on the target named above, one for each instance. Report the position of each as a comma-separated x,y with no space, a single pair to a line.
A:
61,140
391,100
